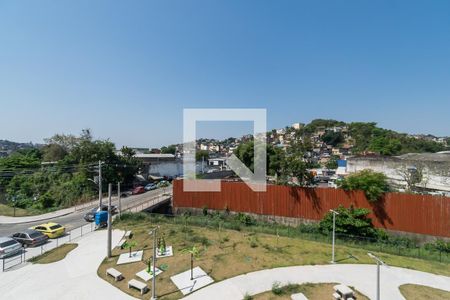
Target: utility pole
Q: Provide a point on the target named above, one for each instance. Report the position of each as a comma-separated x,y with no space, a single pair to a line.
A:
100,194
334,234
120,200
379,262
109,220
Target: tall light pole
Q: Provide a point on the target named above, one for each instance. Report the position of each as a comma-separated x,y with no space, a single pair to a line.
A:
153,232
109,221
100,195
334,234
379,262
120,200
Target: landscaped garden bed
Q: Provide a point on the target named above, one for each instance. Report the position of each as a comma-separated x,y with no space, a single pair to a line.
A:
224,253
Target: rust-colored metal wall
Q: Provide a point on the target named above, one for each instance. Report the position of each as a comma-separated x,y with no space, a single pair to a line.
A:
421,214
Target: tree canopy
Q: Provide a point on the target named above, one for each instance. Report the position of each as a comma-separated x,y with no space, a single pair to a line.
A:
373,184
65,179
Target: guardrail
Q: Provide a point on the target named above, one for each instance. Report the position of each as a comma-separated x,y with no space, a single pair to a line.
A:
149,203
71,235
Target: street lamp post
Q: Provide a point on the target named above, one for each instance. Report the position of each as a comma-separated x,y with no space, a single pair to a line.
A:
14,202
334,234
379,262
153,232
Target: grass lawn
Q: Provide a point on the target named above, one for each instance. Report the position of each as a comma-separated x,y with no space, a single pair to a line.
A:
227,253
312,291
54,255
413,292
6,210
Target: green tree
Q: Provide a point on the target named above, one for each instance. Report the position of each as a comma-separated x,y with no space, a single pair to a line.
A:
169,149
332,163
53,152
333,138
349,221
373,184
201,154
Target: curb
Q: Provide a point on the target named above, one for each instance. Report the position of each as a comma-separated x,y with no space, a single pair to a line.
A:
44,219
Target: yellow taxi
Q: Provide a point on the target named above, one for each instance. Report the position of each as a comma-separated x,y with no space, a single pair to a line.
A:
52,230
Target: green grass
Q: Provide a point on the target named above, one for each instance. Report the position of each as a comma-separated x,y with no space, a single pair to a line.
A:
227,253
6,210
416,292
54,255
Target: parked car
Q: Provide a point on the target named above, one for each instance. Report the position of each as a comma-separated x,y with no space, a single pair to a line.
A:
9,246
163,183
52,230
125,194
90,215
150,186
30,237
138,190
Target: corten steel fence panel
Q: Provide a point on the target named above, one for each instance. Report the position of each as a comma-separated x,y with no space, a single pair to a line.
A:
423,214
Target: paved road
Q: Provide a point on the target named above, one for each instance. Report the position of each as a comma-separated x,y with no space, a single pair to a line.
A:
76,219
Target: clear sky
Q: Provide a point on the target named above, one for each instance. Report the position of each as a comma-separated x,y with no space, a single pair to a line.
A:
127,69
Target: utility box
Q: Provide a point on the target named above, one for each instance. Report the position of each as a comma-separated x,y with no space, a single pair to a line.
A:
101,218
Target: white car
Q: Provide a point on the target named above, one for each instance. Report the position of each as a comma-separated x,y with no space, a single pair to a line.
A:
9,246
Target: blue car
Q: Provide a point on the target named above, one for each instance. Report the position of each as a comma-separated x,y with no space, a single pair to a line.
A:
150,186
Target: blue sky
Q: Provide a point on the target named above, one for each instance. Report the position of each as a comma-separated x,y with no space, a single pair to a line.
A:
127,69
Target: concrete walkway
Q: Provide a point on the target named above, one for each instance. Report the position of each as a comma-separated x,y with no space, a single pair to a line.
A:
74,277
362,277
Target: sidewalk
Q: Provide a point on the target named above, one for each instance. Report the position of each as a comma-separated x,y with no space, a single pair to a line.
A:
362,277
74,277
55,214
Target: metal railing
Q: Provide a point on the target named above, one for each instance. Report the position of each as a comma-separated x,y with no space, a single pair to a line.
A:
71,235
31,252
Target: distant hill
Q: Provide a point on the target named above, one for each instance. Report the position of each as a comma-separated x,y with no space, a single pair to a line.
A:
7,147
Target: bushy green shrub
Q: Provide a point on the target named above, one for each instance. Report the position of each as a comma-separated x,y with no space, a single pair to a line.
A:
245,219
349,221
439,245
277,288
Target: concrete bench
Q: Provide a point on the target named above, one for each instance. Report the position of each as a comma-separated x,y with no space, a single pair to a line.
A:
128,234
138,285
336,296
114,273
120,244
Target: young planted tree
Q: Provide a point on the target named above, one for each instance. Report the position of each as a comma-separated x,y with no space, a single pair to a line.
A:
129,245
194,253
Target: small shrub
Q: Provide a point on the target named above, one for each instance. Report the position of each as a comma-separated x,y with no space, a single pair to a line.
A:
247,296
277,289
245,219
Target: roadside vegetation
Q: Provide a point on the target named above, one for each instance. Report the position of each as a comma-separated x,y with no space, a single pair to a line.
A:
61,173
418,292
225,252
54,255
